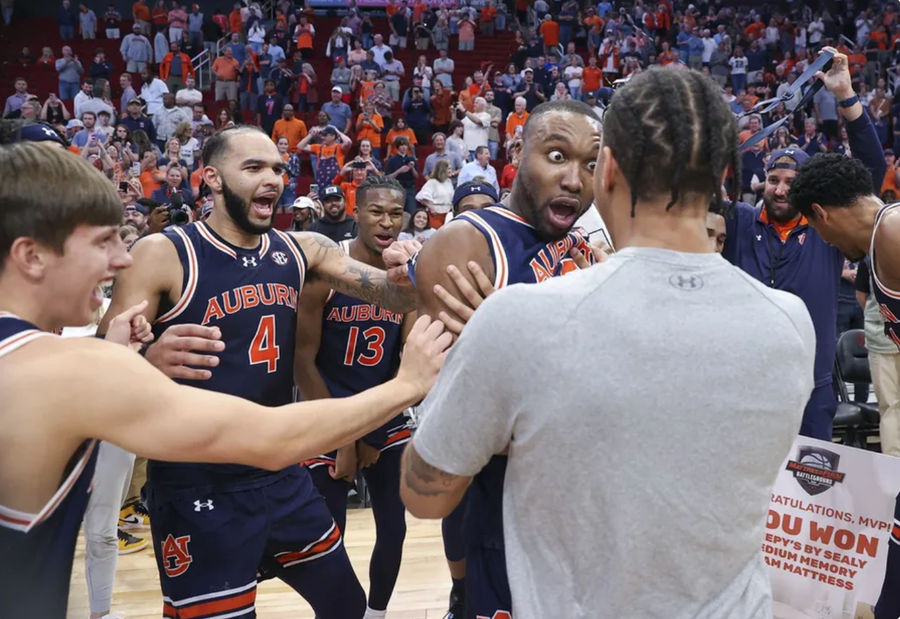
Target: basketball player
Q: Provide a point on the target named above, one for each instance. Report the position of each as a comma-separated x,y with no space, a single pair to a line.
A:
596,540
775,244
59,220
526,243
345,345
235,275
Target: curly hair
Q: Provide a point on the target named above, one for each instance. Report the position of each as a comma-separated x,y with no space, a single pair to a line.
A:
672,133
830,180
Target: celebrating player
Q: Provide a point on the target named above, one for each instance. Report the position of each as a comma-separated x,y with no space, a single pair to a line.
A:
529,242
59,241
345,345
234,275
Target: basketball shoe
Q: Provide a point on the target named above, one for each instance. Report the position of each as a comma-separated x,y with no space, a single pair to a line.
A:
134,516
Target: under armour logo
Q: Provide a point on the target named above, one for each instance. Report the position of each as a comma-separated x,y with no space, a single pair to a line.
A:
49,132
249,261
758,237
686,282
207,504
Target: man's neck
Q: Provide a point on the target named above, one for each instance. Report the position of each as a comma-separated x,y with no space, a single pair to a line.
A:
225,227
23,300
359,251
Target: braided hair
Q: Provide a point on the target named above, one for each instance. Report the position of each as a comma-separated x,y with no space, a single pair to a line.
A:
377,181
672,133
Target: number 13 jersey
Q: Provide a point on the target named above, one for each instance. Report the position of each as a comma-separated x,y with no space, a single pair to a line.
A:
251,296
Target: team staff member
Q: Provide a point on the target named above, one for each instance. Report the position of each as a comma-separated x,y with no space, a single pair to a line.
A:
59,242
345,345
775,243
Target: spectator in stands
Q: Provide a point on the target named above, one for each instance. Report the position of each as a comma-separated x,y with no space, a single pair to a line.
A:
400,129
195,25
15,101
379,49
370,126
356,55
290,127
67,18
508,174
340,77
480,166
334,223
304,214
826,113
175,68
475,127
417,228
493,128
437,194
443,69
418,112
441,102
30,110
531,91
891,180
515,122
225,71
455,143
441,153
340,113
307,94
160,45
370,164
152,91
369,64
46,61
84,95
96,102
358,170
466,29
392,71
141,15
70,71
174,184
100,67
248,82
304,35
330,152
137,121
54,111
383,103
549,31
89,134
399,26
167,118
256,36
188,96
87,19
402,166
269,109
812,141
136,50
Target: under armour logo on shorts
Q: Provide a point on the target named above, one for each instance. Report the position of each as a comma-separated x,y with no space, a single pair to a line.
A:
207,504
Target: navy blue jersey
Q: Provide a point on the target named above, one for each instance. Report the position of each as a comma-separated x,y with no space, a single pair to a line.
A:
520,256
360,348
888,300
251,295
36,550
888,606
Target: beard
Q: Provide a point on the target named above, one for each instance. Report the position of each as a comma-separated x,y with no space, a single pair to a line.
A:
781,216
238,209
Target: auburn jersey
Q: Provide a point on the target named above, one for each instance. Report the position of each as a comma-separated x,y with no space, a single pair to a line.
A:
37,549
360,348
251,295
520,256
888,300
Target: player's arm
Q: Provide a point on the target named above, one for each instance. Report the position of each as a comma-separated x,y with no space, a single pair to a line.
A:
156,273
331,266
427,491
887,246
455,244
113,394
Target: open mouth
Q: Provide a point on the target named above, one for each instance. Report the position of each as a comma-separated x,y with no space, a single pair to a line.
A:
384,240
263,206
563,212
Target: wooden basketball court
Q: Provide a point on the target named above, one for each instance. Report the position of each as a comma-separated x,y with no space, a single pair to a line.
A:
421,591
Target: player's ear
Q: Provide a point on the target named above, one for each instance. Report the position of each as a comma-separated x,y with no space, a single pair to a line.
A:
608,170
212,178
819,213
30,257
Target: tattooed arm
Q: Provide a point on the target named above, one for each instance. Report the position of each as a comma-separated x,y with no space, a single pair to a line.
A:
328,264
427,491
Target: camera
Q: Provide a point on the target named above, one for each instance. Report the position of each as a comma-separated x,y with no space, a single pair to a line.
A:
179,213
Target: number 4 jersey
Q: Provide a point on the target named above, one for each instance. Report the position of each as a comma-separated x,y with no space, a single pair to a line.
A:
251,295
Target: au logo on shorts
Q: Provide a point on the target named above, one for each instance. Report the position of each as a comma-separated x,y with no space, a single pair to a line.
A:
176,558
815,469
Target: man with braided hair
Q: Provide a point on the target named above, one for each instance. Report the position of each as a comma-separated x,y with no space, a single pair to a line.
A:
775,243
654,525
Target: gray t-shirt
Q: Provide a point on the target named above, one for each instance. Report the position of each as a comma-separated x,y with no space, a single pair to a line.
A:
647,404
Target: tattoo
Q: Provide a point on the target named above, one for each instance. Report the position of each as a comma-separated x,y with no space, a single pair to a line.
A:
424,479
355,278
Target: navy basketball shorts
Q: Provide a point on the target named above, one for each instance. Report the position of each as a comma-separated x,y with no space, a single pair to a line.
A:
210,541
487,584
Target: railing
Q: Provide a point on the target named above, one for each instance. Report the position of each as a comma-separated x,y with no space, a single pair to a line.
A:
203,61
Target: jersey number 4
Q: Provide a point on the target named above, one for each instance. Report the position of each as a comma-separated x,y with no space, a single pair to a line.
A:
263,348
374,352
